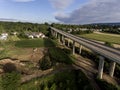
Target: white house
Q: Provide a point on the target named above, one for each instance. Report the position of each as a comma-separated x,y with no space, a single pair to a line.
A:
4,36
35,35
43,36
30,36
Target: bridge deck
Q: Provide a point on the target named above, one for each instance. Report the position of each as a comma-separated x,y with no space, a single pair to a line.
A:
100,49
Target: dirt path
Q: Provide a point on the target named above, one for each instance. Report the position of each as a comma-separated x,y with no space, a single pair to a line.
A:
89,68
40,73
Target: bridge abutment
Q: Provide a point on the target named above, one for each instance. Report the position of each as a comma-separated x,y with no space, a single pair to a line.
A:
100,67
112,68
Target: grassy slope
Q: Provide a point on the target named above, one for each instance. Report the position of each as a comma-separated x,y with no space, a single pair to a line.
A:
104,38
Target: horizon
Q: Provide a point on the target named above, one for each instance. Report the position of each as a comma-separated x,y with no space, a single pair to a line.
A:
57,11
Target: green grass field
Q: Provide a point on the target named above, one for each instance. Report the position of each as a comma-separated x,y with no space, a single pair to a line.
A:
15,48
34,43
104,38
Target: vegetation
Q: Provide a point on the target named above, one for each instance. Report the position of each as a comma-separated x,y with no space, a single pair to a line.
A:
10,81
105,86
45,63
66,80
108,44
81,32
54,55
115,31
58,55
9,67
104,38
19,27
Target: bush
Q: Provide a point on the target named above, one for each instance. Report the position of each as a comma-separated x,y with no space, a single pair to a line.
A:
53,87
9,67
10,81
67,51
58,55
108,44
45,63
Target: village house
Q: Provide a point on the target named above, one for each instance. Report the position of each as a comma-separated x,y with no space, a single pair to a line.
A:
4,36
35,35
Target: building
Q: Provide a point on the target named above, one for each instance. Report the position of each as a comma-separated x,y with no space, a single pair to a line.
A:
35,35
4,36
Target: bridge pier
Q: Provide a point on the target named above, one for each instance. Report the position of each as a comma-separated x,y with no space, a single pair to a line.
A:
56,34
100,67
73,50
52,32
112,68
63,40
80,49
68,44
58,38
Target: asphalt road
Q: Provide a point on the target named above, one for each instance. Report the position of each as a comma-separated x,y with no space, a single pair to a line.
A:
100,49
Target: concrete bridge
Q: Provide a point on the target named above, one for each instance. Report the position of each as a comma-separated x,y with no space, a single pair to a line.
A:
103,51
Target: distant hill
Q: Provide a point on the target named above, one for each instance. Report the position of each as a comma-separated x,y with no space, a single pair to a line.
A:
113,24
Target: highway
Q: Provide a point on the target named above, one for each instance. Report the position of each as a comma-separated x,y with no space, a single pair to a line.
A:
100,49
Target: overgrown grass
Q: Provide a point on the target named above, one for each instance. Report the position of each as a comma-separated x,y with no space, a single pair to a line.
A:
35,43
101,37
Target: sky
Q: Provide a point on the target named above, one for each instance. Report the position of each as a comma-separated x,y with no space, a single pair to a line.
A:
62,11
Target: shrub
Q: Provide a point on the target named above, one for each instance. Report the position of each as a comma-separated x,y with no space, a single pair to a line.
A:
58,55
9,67
53,87
108,44
45,63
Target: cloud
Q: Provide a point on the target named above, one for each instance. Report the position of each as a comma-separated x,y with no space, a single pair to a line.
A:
61,4
95,11
23,0
8,19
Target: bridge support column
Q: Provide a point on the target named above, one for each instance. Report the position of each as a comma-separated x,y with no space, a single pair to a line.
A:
59,38
101,67
73,50
68,44
56,34
63,40
52,33
80,49
112,68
